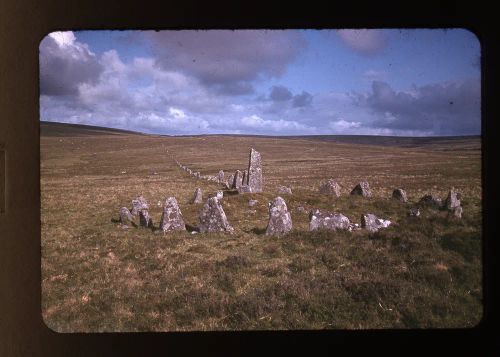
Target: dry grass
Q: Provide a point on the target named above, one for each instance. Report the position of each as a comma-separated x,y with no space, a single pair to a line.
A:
96,276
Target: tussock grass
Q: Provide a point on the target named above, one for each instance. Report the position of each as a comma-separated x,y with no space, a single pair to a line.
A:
96,276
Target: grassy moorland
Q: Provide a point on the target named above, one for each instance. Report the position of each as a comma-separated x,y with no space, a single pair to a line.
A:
96,276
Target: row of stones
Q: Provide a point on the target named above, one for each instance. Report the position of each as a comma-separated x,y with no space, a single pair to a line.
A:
212,217
451,202
244,181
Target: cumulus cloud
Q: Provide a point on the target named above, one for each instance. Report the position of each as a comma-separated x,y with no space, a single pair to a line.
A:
364,42
280,127
344,126
227,60
451,108
65,64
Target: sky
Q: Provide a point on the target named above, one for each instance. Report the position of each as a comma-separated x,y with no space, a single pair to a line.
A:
409,82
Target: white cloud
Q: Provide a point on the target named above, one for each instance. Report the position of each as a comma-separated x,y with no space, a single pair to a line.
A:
176,113
342,125
63,38
276,126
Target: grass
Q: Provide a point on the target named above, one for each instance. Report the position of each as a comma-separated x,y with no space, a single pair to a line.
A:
421,272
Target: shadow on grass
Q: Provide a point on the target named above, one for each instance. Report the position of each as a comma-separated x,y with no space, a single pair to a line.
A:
258,231
191,228
114,220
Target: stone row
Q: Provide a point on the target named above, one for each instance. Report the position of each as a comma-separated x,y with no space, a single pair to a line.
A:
250,180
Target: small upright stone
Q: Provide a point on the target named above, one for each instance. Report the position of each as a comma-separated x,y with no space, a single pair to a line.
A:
220,176
432,201
280,221
237,179
198,196
372,223
139,204
213,218
362,189
414,212
400,195
171,219
219,195
244,178
457,211
125,216
453,200
283,190
252,203
144,219
230,182
319,219
330,187
255,171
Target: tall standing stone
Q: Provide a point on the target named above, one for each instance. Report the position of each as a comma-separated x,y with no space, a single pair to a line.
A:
280,221
198,196
330,187
362,189
171,219
213,218
255,171
400,195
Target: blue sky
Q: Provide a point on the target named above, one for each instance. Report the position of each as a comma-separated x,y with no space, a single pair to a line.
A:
294,82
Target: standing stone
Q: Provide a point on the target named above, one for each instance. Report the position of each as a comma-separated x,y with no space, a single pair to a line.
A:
254,171
330,187
220,176
453,200
319,219
457,211
230,182
138,205
244,178
373,223
399,195
244,189
414,212
198,196
171,219
212,217
362,189
218,194
283,190
125,216
144,219
280,221
237,179
432,201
